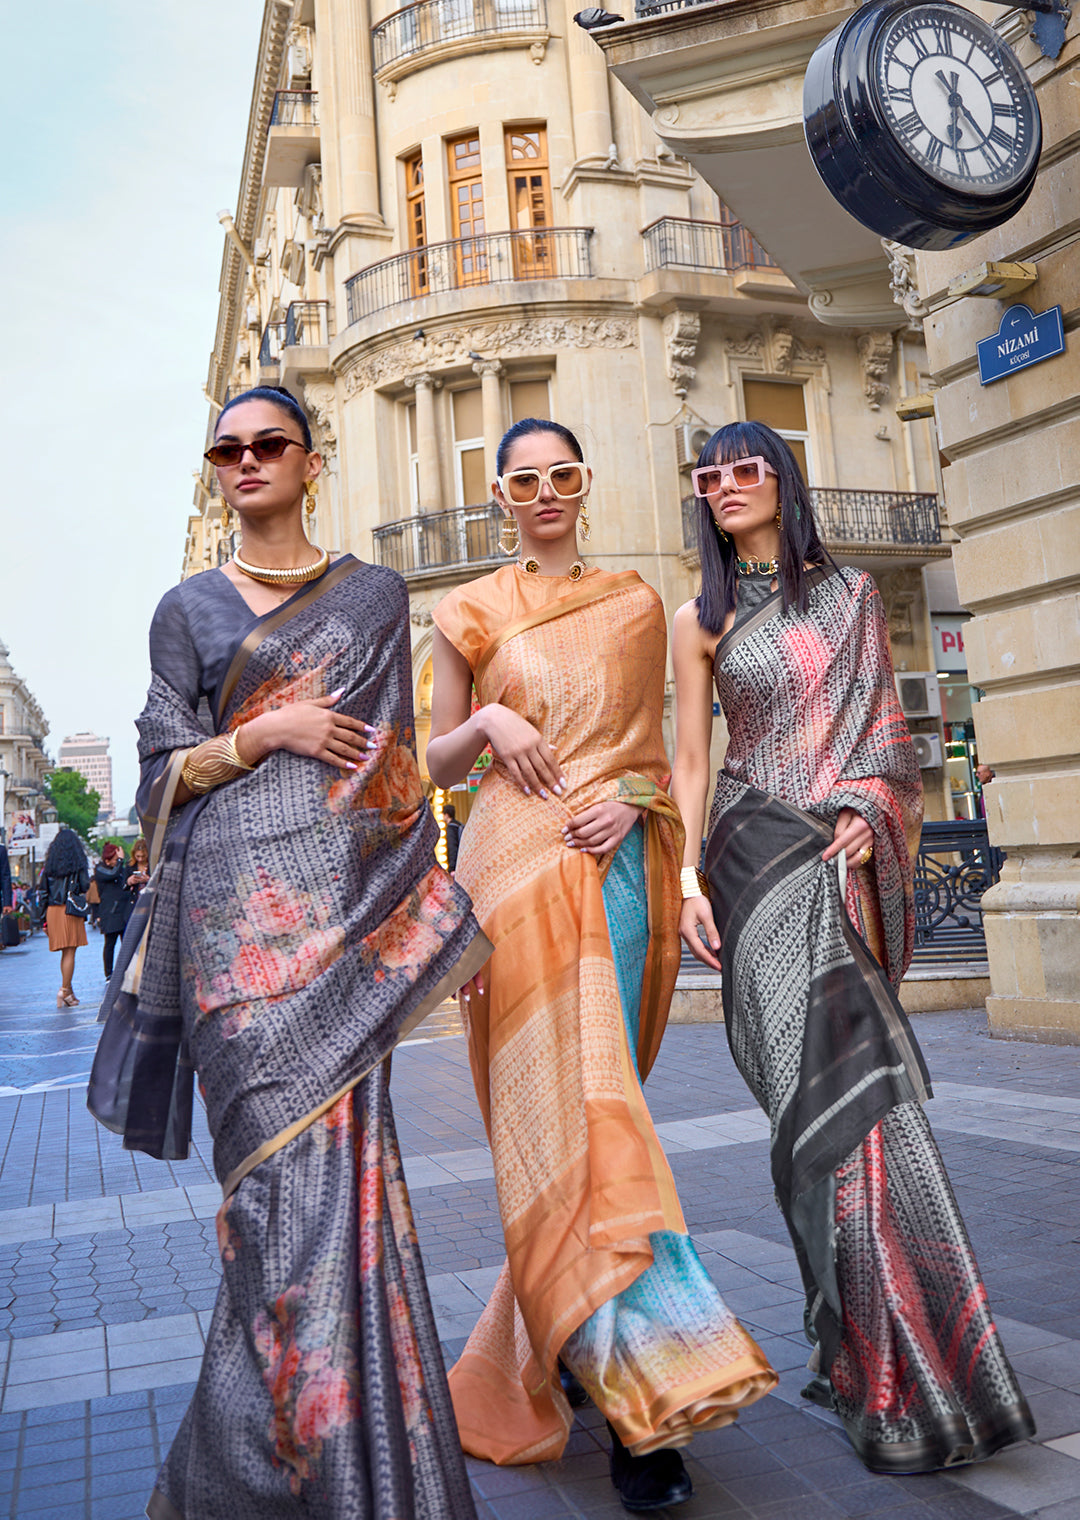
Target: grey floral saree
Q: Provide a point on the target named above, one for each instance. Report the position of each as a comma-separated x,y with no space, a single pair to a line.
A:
296,927
908,1350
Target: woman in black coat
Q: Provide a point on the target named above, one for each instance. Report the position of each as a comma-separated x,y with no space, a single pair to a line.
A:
117,900
66,870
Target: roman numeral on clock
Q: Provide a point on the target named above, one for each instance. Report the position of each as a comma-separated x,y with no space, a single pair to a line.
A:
1002,139
942,40
910,124
935,150
921,50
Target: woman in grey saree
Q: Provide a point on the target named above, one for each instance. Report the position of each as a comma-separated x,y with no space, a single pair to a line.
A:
806,905
295,928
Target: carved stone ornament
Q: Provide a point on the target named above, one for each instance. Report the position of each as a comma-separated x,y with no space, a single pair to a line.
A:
484,367
782,346
420,617
902,280
750,345
402,362
899,592
320,398
682,329
875,357
537,50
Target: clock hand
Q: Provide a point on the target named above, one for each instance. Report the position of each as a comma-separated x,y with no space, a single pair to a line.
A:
956,104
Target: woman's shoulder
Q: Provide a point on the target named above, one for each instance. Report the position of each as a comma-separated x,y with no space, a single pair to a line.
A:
485,593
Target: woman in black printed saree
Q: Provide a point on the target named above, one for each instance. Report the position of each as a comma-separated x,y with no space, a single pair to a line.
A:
296,926
806,907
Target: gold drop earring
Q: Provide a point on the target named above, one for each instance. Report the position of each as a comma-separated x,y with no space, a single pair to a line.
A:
583,518
509,525
311,492
226,518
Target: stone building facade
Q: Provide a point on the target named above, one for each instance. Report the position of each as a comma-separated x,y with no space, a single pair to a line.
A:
23,761
448,218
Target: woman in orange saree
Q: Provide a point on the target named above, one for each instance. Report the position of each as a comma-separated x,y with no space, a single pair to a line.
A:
571,856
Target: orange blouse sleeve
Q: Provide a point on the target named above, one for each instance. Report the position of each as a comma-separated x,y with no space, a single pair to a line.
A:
466,621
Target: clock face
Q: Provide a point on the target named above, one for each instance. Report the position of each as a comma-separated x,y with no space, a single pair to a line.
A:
955,97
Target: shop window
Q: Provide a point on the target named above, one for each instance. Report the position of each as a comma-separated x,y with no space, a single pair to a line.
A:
781,406
529,398
470,482
416,222
467,210
530,200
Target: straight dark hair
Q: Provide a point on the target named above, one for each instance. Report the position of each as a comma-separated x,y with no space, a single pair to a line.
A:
524,428
277,396
800,542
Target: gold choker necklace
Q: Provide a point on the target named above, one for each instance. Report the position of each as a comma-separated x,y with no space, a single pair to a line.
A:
757,566
298,576
532,567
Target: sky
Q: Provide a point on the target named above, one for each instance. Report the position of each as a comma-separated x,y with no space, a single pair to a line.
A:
123,130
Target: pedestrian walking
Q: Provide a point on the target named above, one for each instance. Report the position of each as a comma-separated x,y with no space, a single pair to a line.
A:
299,926
115,899
453,835
62,887
572,856
138,865
806,904
9,927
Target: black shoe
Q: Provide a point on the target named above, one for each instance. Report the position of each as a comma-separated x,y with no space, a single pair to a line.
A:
651,1482
819,1391
576,1396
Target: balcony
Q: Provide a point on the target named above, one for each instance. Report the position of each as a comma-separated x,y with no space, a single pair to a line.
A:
546,254
292,141
676,242
418,34
424,547
298,346
903,522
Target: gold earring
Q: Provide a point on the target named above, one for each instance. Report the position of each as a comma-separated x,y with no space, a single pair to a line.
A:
722,532
226,518
311,491
583,518
779,519
509,524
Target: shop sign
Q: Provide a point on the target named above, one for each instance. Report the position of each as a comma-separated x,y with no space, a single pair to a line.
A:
949,644
1021,340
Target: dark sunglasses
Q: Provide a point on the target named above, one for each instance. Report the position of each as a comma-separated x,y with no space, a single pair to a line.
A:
226,455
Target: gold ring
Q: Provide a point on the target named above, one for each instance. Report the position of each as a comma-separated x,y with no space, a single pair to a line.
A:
866,854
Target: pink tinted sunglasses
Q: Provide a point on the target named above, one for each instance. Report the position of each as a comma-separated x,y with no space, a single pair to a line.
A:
744,474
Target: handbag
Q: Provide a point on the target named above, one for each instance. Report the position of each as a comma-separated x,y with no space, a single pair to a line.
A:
76,905
9,932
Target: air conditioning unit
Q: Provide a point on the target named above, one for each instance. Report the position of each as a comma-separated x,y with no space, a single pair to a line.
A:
293,262
261,251
927,750
690,439
919,694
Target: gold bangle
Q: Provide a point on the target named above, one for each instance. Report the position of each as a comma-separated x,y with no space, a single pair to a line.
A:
693,883
235,753
212,764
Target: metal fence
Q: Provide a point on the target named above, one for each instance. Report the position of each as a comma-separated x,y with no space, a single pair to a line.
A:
440,540
856,517
536,254
308,322
295,108
675,242
954,866
273,341
430,22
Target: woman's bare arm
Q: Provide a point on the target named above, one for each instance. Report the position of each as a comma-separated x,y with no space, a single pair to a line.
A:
692,650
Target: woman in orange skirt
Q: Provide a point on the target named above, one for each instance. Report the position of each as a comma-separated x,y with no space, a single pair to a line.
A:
66,870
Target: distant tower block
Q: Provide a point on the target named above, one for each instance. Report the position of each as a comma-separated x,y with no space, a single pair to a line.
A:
89,755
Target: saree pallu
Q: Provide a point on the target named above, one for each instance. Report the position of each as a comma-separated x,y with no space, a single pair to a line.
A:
296,929
894,1298
582,1180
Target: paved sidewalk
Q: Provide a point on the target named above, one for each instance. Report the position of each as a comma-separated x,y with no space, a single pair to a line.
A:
108,1271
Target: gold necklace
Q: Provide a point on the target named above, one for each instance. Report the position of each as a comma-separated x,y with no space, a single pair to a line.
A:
292,576
757,566
532,567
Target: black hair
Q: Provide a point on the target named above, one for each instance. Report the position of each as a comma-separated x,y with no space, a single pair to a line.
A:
528,426
66,855
277,396
800,542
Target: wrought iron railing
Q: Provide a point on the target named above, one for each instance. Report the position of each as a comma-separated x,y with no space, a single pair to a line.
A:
535,254
295,108
954,866
431,22
856,517
658,7
676,242
273,341
440,540
308,322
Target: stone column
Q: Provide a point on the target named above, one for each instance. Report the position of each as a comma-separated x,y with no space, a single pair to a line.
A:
343,30
1013,494
588,94
489,371
427,442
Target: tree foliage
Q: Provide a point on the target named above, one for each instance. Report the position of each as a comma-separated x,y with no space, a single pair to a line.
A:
76,804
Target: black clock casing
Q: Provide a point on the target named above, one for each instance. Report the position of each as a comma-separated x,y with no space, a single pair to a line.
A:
898,185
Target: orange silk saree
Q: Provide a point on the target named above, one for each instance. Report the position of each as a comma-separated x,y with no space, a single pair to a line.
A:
581,1176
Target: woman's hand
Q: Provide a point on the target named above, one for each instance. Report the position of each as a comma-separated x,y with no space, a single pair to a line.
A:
137,879
600,828
309,728
475,984
697,913
852,834
524,751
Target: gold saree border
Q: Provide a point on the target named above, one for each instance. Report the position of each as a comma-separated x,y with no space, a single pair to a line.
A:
162,798
473,959
271,622
618,581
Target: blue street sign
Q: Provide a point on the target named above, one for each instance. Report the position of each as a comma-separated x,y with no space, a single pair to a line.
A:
1021,340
